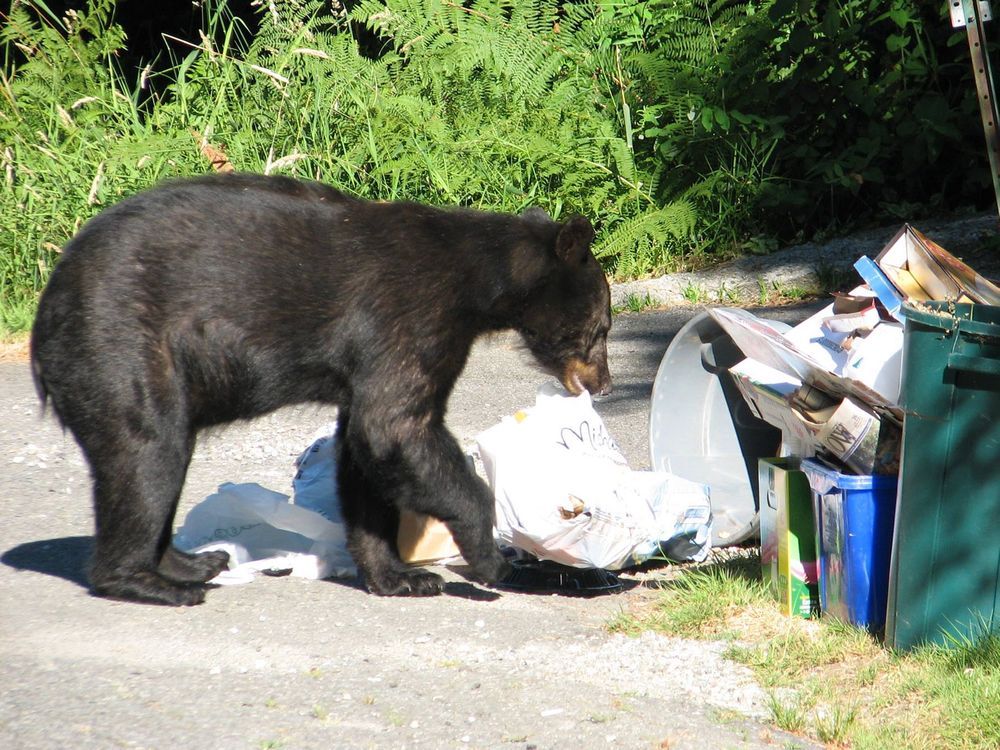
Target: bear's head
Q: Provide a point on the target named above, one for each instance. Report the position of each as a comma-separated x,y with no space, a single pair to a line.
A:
567,315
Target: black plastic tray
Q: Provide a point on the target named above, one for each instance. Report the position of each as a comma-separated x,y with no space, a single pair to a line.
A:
544,576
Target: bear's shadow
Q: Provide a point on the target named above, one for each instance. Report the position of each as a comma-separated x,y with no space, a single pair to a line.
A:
69,557
66,557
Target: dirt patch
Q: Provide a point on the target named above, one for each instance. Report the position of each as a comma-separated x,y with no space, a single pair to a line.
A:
14,351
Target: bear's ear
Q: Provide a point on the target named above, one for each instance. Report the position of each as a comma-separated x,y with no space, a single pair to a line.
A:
574,238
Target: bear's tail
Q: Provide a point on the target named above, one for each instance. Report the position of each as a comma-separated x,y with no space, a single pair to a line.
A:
41,388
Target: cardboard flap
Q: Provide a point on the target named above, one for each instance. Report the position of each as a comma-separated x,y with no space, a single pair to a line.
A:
922,270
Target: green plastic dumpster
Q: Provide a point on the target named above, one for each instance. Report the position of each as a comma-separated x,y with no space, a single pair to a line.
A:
944,579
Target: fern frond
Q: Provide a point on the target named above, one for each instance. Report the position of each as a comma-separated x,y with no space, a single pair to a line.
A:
639,244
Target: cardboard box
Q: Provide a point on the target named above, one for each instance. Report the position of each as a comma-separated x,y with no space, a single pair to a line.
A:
915,268
423,539
924,270
788,536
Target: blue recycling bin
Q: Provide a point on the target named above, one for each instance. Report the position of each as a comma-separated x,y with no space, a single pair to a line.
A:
854,526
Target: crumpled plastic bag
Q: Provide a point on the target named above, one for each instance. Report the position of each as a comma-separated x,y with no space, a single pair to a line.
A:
261,530
315,483
564,492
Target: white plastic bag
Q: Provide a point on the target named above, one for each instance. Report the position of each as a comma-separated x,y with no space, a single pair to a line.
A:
261,530
315,483
564,492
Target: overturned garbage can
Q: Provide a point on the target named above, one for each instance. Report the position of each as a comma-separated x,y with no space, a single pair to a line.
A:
701,428
945,570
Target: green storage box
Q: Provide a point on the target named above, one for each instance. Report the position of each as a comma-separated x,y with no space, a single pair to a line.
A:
788,536
945,569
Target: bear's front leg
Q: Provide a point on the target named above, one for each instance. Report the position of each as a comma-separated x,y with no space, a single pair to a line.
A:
414,464
372,526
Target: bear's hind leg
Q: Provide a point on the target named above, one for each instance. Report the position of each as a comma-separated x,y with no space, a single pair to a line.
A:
137,484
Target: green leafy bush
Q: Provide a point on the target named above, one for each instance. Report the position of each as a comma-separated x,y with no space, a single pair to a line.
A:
787,117
72,140
679,127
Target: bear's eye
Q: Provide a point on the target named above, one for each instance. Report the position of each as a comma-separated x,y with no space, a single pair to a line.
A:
597,336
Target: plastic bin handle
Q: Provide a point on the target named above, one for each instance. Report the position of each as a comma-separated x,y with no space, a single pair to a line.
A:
979,365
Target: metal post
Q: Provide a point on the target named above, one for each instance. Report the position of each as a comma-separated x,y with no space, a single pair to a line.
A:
972,14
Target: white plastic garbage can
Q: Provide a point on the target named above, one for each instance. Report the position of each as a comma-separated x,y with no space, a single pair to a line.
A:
700,427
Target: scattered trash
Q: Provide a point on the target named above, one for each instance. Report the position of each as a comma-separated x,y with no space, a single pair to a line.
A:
796,432
828,388
315,483
564,492
421,539
867,371
887,398
262,531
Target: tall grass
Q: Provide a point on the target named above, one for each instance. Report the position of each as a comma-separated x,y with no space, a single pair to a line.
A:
497,105
72,140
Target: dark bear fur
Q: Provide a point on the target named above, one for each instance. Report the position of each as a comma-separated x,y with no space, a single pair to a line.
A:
221,298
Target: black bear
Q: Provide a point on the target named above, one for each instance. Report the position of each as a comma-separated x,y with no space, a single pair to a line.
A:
212,299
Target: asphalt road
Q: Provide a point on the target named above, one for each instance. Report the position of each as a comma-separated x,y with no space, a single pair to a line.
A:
293,663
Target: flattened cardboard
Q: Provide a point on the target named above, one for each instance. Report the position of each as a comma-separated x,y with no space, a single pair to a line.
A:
820,357
423,539
796,354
